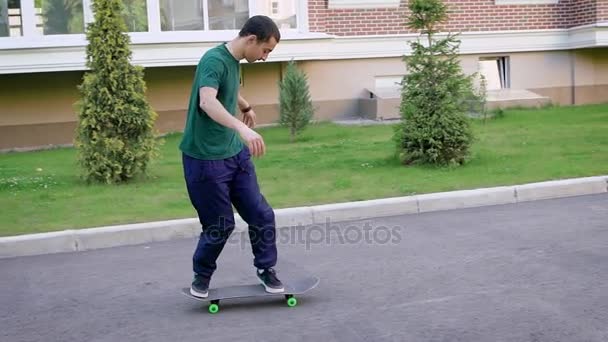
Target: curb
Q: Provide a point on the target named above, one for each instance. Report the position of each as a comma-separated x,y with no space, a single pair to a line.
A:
133,234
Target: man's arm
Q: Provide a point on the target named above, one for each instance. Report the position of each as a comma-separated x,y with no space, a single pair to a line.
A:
217,112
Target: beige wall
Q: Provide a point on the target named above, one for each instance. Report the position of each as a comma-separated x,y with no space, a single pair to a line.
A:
567,77
348,79
38,109
591,76
38,98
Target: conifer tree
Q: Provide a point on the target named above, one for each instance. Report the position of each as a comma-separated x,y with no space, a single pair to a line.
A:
115,135
435,94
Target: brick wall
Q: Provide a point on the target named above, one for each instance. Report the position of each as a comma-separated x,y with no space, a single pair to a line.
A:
582,12
464,15
602,10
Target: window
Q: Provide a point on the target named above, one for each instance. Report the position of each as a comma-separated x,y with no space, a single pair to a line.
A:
282,12
496,71
10,18
59,16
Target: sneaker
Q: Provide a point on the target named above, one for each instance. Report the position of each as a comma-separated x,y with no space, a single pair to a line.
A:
200,286
270,281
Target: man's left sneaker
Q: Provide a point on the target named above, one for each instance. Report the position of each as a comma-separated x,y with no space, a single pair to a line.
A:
269,279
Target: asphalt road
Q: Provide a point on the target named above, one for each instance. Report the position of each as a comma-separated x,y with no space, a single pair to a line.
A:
533,272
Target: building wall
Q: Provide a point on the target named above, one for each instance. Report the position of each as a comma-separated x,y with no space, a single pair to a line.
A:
591,76
464,16
38,109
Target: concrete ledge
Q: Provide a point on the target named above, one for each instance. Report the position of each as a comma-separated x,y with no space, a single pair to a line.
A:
43,243
133,234
284,218
466,199
293,217
561,188
364,209
103,237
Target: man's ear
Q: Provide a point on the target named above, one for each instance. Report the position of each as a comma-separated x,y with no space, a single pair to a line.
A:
252,39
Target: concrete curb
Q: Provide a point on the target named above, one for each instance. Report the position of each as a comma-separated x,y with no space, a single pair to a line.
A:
132,234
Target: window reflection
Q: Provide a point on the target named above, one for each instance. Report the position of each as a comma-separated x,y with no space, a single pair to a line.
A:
228,14
60,16
135,15
181,15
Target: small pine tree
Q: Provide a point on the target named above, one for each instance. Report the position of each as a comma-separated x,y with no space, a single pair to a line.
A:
295,106
435,94
115,137
481,98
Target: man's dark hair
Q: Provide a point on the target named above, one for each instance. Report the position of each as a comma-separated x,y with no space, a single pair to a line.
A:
262,27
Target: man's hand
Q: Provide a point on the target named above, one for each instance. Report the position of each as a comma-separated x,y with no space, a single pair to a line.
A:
249,118
253,140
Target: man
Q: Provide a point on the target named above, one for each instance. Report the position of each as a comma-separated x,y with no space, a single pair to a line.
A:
216,150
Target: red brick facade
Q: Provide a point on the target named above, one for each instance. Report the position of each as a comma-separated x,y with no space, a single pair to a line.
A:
602,11
464,15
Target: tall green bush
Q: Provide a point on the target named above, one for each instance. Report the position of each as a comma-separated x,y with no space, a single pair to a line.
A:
115,137
435,94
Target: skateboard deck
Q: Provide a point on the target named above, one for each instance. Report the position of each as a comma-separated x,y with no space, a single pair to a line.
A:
292,288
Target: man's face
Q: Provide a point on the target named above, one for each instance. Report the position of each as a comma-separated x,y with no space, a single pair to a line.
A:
257,50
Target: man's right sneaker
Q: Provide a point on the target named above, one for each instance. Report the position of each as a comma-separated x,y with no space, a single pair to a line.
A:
269,279
200,286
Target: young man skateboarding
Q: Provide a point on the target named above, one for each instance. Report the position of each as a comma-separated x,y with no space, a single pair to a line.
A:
216,150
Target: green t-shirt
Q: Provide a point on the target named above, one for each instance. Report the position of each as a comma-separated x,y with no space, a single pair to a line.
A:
203,137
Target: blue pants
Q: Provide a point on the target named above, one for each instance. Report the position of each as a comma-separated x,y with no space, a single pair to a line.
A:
214,186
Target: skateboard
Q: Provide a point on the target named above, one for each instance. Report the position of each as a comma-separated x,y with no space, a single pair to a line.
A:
292,287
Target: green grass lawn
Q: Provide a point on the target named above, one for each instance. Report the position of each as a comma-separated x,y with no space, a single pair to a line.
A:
40,191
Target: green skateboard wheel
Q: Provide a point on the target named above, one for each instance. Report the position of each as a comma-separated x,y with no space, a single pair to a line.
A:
292,301
214,308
